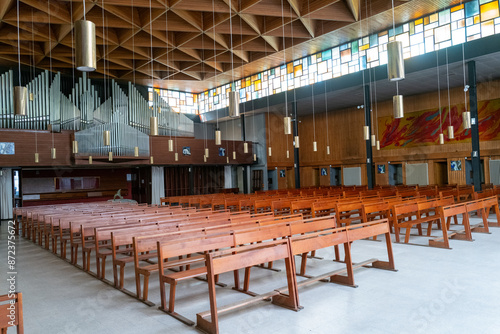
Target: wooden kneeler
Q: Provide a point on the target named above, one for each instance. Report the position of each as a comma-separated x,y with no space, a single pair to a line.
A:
225,261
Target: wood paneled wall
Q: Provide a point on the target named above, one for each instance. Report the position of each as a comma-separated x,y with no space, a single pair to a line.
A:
347,147
279,142
28,142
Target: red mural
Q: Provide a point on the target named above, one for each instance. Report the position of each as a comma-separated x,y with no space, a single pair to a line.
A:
422,128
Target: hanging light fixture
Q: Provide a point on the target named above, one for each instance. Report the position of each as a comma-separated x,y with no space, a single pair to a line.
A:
36,158
90,160
328,149
110,156
287,154
20,92
227,159
234,104
395,60
245,147
315,146
20,99
176,156
206,152
366,132
153,126
466,119
170,145
254,157
451,132
287,120
136,151
397,104
374,140
218,137
85,45
204,158
378,145
296,140
107,138
234,155
75,147
151,160
269,151
53,153
441,138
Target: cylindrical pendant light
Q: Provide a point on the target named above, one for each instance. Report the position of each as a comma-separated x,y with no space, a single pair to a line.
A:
75,147
151,160
287,154
234,155
170,145
153,126
374,140
206,152
296,140
395,61
20,100
110,156
85,46
254,157
53,153
176,156
366,132
234,104
441,139
204,158
218,137
378,145
269,152
466,119
328,149
397,105
136,151
315,146
287,120
37,158
90,160
106,136
245,148
227,159
451,132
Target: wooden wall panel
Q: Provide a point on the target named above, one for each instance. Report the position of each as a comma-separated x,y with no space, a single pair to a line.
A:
279,142
309,177
26,143
456,177
382,179
159,150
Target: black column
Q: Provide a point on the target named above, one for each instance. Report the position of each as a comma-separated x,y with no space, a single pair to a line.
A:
474,130
191,180
245,168
369,157
296,164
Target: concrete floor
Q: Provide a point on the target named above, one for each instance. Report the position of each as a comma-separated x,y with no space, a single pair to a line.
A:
434,291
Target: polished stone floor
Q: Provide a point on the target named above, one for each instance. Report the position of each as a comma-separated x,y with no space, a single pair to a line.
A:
433,291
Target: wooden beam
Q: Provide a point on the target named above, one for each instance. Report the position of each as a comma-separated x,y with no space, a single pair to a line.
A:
5,6
354,7
273,41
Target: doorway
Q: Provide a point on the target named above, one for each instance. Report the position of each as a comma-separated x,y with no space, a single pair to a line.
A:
469,174
335,176
272,179
440,173
141,184
395,174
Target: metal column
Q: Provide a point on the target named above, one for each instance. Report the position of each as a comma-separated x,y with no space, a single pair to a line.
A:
474,130
369,157
296,163
191,180
245,168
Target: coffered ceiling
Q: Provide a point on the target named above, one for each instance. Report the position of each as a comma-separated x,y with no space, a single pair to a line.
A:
190,45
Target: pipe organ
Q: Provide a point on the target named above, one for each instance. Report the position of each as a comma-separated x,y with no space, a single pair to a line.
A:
126,114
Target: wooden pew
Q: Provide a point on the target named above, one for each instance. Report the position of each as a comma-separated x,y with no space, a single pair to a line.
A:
9,318
247,256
